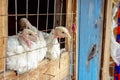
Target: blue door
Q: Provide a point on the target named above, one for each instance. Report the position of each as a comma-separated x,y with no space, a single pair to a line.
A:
90,38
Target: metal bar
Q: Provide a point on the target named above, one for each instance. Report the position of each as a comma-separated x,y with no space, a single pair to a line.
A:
27,9
16,15
16,21
54,13
61,12
38,13
47,14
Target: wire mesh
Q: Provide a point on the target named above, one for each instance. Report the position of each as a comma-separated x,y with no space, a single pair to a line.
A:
44,20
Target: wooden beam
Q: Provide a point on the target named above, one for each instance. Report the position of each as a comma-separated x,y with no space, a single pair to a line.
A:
69,21
75,39
106,41
3,32
72,17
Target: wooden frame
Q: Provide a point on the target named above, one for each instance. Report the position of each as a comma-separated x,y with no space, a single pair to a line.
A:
106,41
73,9
3,33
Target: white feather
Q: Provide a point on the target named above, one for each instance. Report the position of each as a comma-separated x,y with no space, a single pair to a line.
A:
20,57
42,47
53,47
41,44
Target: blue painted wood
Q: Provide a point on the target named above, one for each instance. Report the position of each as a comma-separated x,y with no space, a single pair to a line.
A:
89,33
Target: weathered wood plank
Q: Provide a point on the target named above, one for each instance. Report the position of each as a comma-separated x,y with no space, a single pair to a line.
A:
3,32
89,35
75,37
106,44
72,17
69,21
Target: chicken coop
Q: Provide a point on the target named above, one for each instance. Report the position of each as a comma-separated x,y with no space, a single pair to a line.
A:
55,39
45,15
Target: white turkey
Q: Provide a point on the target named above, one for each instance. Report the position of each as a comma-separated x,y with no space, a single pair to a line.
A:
24,23
21,53
53,46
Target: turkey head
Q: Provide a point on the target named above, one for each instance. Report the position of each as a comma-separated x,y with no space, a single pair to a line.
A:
61,32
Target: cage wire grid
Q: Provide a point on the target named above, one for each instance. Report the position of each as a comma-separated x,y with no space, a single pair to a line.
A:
38,14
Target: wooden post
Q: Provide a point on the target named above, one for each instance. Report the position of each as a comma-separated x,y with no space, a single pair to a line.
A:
69,20
106,41
75,49
3,32
72,17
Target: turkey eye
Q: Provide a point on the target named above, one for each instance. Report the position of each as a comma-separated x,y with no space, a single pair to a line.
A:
30,34
63,32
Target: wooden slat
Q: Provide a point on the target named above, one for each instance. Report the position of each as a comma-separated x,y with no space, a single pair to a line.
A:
72,7
75,41
69,20
3,32
106,44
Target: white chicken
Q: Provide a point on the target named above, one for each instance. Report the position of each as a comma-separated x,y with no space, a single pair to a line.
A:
24,23
21,54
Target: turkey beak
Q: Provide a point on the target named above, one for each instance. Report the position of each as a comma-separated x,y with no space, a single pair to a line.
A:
68,35
34,37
